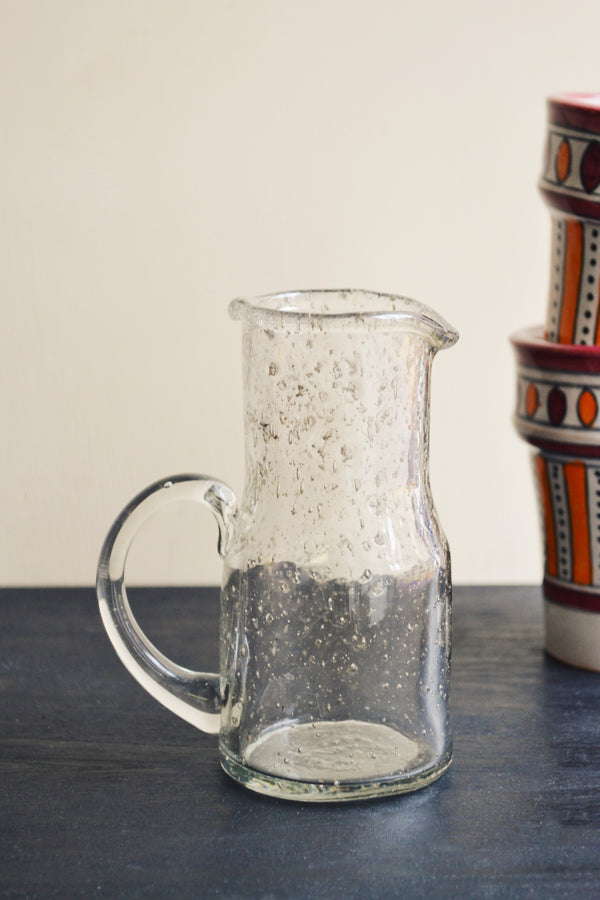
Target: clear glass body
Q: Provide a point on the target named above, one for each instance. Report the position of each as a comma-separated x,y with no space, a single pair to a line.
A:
335,631
335,611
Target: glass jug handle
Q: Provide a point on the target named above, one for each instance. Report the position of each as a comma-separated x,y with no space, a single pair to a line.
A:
194,696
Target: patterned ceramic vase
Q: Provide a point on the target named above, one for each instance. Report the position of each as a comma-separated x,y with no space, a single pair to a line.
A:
570,184
557,412
558,384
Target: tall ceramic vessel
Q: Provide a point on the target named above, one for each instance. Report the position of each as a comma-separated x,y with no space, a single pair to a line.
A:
558,383
570,185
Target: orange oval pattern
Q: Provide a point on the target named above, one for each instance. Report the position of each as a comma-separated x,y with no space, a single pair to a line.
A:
532,400
563,161
587,408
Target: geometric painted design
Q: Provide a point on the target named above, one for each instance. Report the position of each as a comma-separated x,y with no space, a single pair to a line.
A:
572,162
575,475
574,294
532,400
590,167
562,534
563,160
561,522
570,181
555,406
569,499
594,514
587,408
570,184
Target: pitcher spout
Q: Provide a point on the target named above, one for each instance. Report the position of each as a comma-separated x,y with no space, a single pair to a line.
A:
344,310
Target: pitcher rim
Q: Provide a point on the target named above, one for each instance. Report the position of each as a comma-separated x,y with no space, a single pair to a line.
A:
283,311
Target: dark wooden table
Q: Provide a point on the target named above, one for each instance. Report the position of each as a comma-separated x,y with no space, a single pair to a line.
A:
106,794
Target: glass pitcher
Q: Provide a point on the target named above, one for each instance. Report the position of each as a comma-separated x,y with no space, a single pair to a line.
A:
335,603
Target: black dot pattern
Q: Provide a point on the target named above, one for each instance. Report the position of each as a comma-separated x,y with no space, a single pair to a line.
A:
587,310
587,302
561,519
594,507
558,242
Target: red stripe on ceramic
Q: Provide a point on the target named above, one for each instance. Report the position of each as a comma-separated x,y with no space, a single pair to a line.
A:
563,448
575,110
576,206
570,181
571,596
533,350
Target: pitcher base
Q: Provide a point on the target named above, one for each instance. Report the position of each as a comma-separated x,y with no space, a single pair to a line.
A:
334,761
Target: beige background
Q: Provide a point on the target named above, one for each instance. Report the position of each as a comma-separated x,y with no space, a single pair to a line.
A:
160,157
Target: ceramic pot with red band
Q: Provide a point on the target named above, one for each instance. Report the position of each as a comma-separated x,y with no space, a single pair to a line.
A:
558,414
558,383
570,185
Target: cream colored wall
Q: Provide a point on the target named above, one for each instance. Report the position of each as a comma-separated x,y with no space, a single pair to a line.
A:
159,157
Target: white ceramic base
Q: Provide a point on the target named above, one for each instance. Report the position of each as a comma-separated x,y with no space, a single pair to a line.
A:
573,635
